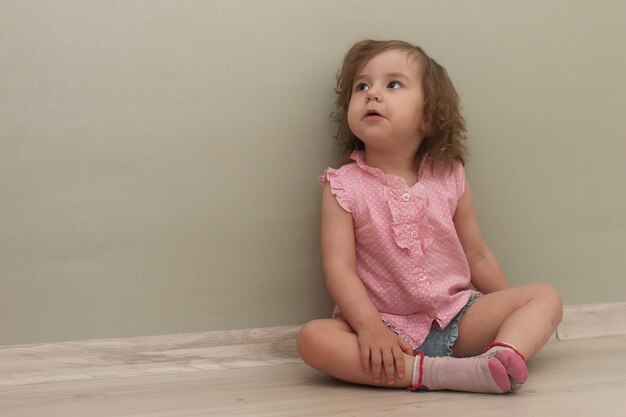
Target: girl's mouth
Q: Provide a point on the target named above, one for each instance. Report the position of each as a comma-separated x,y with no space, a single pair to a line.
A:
372,113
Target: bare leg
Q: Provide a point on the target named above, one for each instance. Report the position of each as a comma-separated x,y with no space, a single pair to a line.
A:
331,346
524,317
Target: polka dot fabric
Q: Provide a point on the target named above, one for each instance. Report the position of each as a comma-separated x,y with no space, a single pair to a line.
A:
408,254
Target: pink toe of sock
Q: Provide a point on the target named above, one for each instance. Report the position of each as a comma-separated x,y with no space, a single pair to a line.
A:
499,374
514,364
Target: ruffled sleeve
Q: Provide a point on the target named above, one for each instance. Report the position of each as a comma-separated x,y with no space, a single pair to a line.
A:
337,188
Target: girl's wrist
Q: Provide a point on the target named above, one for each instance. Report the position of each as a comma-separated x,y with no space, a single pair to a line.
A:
370,326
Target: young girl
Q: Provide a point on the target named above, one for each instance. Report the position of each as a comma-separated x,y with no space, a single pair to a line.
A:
401,244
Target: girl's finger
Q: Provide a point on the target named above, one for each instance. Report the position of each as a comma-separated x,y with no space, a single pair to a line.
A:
376,365
399,360
406,348
388,360
365,360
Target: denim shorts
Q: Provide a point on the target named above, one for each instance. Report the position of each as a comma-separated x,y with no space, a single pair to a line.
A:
439,341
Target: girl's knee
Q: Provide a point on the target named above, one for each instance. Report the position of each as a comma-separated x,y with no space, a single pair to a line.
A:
304,334
318,340
309,340
552,299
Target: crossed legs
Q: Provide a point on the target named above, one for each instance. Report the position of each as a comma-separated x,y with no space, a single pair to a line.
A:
523,317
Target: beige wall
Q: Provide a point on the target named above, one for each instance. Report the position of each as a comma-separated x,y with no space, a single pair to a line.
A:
158,159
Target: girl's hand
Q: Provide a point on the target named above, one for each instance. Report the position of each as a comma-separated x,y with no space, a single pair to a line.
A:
382,350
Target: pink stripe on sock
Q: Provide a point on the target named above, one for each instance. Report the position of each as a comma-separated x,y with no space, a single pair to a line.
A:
506,345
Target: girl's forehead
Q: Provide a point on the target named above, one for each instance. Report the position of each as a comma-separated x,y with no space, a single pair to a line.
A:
392,60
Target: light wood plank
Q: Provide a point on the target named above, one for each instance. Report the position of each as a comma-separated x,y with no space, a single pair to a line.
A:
592,320
258,373
131,357
572,378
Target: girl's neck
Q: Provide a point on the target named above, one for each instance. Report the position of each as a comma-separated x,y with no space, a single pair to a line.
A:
401,165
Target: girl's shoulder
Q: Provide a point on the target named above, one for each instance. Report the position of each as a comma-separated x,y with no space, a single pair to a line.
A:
342,176
345,173
339,180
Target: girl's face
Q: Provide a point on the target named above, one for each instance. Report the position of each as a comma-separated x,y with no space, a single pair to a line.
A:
386,109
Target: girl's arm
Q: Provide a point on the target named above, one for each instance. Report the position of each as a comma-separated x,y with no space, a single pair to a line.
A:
379,346
487,276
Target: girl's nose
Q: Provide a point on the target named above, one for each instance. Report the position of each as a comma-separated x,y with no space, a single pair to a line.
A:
372,94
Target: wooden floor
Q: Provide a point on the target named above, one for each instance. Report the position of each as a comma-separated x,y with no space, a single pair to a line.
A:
257,373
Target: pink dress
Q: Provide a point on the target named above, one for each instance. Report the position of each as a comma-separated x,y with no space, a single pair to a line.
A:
408,254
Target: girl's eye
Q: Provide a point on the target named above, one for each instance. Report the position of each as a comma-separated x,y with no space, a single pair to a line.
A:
361,87
394,85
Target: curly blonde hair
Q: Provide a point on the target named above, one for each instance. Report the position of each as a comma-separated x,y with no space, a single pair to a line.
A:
445,142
